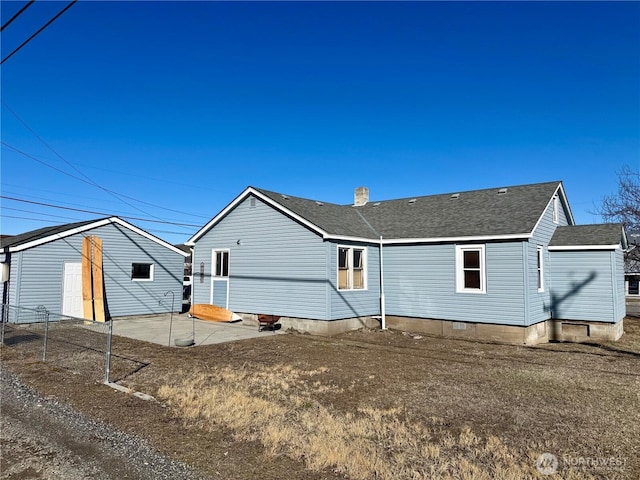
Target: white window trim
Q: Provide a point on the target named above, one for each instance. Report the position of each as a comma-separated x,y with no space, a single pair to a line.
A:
556,206
151,272
365,268
214,263
460,249
540,270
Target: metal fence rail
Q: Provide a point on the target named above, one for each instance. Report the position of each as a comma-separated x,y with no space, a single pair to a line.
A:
82,346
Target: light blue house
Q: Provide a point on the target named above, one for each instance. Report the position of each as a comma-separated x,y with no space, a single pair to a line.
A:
44,267
505,263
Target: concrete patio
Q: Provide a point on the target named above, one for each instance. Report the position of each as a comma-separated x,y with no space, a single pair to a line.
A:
155,329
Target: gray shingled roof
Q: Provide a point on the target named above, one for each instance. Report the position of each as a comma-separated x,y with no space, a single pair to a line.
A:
40,233
470,214
587,235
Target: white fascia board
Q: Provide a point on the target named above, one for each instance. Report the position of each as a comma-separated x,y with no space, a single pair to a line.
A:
566,202
559,248
57,236
240,198
563,198
147,235
483,238
344,238
90,226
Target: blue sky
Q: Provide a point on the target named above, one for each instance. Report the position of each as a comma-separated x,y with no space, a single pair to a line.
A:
175,108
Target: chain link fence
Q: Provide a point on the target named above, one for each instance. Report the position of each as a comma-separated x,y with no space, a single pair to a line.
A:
79,345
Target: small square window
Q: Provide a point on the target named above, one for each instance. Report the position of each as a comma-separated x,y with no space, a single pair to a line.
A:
142,272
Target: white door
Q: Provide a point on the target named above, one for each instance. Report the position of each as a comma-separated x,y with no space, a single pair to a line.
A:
72,290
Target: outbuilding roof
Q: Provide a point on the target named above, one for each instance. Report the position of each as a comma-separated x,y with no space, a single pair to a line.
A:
597,236
495,213
40,236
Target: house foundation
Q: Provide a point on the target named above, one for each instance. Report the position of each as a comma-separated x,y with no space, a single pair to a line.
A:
542,332
318,327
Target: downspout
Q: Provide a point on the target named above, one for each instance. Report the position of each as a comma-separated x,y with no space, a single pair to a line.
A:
382,301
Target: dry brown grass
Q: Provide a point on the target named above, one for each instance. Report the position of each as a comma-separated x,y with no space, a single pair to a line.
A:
279,408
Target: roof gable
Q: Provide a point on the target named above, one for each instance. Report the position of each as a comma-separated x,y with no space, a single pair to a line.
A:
511,212
44,235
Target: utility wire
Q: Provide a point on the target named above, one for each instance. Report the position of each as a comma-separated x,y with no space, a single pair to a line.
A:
99,213
90,182
115,195
77,220
18,13
39,30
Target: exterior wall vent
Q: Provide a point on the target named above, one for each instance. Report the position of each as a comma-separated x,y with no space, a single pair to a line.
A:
252,202
502,191
459,326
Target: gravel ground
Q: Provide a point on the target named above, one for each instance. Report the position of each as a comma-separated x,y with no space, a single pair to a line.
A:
43,438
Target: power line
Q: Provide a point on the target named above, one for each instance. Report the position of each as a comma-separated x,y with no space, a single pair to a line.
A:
39,30
99,213
92,183
18,13
87,179
61,202
57,223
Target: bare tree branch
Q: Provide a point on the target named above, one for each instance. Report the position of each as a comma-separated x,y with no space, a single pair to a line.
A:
623,206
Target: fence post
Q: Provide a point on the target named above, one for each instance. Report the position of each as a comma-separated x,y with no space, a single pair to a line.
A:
107,366
42,312
5,317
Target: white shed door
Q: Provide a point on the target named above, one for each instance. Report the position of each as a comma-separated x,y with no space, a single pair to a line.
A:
72,290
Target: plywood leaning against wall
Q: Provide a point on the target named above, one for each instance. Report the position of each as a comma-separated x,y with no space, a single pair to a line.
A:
92,279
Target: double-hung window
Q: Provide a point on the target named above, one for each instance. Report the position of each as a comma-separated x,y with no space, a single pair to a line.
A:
352,274
471,275
540,255
221,267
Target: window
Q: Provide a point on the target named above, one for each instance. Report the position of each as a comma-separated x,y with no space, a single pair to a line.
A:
634,286
555,209
470,270
142,272
5,271
352,268
222,263
540,269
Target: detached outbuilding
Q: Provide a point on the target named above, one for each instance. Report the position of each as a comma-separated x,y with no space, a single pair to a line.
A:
504,264
45,267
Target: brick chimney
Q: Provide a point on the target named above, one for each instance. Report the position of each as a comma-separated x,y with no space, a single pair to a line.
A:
360,196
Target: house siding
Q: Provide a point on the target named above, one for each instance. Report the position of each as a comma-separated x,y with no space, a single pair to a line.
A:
618,274
420,281
354,303
40,272
280,268
584,287
538,303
